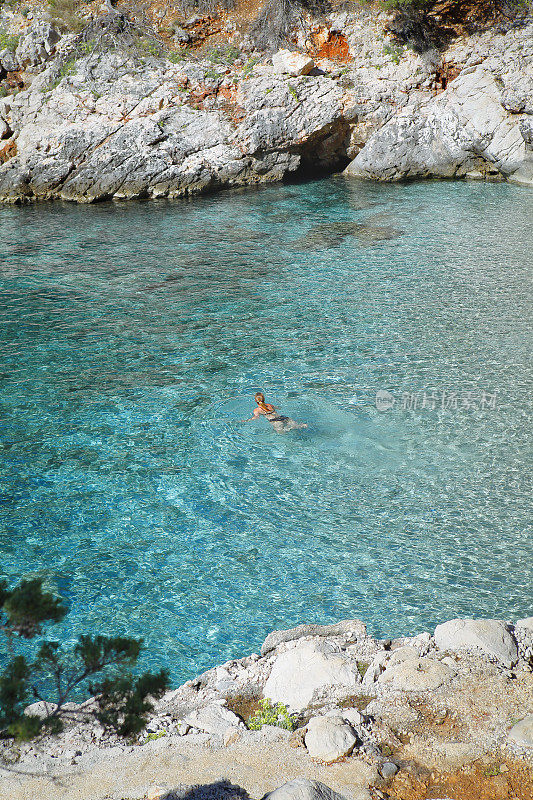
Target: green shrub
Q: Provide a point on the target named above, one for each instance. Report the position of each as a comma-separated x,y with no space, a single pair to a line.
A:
65,14
269,714
56,674
8,41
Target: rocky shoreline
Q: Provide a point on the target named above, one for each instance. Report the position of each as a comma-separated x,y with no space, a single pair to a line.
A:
92,126
450,711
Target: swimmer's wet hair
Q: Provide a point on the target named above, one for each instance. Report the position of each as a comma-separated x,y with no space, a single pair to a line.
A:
260,400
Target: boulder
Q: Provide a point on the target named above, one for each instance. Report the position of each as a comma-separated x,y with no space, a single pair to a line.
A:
294,64
521,734
350,629
388,770
416,675
329,738
214,719
8,60
303,789
490,636
300,672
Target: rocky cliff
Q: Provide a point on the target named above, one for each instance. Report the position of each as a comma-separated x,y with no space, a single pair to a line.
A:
442,715
84,123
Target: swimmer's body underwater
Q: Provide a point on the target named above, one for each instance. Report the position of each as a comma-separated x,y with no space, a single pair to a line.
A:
279,423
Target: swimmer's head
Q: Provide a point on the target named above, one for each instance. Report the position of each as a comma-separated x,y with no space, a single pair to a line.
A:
260,400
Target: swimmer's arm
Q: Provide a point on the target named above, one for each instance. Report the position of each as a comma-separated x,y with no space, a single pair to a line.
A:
257,413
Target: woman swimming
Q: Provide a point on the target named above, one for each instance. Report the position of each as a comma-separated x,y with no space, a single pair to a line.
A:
278,422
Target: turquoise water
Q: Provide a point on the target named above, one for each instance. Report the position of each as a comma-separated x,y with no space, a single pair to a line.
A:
132,340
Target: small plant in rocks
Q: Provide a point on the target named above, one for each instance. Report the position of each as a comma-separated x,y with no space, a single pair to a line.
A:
8,41
98,666
272,714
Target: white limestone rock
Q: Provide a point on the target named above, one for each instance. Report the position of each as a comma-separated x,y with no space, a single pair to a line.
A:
521,734
109,130
353,716
448,135
375,668
402,654
38,44
489,636
329,738
303,789
416,675
524,627
298,673
214,719
294,64
351,630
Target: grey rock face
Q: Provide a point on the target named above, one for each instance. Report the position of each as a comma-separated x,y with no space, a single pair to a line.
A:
111,131
479,123
38,44
489,636
8,60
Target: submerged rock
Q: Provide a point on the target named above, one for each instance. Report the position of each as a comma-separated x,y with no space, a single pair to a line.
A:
332,234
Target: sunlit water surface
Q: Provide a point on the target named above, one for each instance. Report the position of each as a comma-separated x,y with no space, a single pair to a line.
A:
133,338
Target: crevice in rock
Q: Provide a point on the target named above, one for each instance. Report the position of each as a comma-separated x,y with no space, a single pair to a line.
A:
323,153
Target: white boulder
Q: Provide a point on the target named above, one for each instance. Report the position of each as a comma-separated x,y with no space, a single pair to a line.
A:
300,672
329,738
350,630
490,636
303,789
214,719
285,61
416,675
522,733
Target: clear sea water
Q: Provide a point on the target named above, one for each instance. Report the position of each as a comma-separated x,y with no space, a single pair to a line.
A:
133,338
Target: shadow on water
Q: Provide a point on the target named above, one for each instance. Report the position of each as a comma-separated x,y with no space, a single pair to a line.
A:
333,234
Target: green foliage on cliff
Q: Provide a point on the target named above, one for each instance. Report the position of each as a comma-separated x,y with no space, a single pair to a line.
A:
96,665
8,41
271,714
65,13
